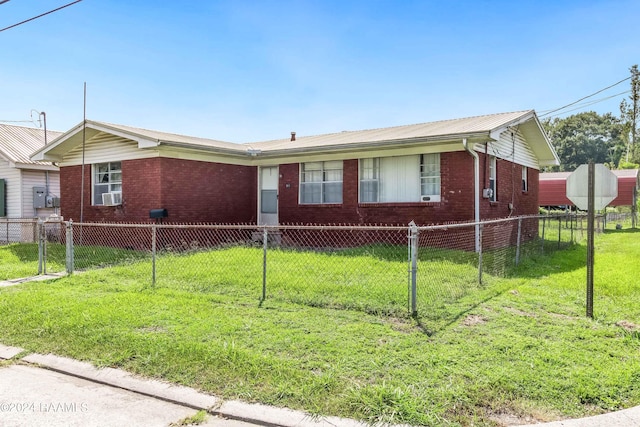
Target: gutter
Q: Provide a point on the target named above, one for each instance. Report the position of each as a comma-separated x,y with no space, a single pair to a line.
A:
476,189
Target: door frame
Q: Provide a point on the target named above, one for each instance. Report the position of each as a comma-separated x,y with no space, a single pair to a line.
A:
268,218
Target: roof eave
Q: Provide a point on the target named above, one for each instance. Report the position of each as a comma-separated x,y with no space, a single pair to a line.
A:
362,146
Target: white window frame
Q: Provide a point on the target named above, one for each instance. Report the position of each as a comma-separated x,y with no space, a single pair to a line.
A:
400,179
369,180
430,177
108,179
321,182
525,179
493,181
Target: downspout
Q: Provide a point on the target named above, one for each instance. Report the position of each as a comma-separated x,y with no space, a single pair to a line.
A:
476,189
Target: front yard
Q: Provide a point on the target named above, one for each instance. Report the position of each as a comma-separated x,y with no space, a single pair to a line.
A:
518,349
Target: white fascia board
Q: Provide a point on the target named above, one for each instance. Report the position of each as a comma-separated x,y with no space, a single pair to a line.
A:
29,166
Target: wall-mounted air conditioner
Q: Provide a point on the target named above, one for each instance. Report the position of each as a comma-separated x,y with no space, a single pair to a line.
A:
112,199
487,193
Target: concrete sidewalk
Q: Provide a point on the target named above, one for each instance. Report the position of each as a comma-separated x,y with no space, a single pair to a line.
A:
49,390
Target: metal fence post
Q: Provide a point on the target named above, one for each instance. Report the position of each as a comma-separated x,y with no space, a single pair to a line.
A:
265,238
69,254
153,254
40,246
413,244
559,231
544,223
518,242
480,230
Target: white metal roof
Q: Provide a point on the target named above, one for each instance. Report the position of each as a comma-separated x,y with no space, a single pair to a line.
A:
443,128
18,143
480,127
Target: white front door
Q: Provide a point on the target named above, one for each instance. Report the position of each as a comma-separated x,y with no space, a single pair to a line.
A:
268,196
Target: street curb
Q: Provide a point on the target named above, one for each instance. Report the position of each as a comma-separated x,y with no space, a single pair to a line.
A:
185,396
7,352
13,282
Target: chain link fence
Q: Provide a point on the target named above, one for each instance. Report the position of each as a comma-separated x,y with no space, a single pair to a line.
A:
393,271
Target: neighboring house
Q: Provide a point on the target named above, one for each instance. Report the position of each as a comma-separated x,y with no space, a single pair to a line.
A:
553,188
447,171
28,188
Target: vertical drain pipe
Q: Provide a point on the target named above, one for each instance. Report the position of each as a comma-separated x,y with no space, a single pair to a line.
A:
476,189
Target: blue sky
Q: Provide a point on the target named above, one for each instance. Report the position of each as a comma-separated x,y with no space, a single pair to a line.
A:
243,71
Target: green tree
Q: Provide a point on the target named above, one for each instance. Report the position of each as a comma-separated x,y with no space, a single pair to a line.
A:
630,113
585,137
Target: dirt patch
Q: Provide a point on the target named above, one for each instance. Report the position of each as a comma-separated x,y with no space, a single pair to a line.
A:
563,316
628,326
519,312
400,325
506,419
473,319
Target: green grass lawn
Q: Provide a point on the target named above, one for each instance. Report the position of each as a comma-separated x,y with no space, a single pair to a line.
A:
516,348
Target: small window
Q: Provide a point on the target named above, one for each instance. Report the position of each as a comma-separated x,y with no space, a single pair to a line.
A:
525,180
321,182
369,180
107,178
430,177
493,184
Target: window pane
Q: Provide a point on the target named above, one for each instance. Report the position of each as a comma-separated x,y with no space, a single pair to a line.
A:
269,201
310,192
98,190
333,192
368,191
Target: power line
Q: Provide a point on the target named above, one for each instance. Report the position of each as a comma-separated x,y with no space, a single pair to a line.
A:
585,97
586,104
39,16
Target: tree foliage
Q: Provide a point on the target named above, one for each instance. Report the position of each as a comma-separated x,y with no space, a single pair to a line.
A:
585,137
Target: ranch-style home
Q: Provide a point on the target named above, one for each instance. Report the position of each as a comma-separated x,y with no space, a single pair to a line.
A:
446,171
28,188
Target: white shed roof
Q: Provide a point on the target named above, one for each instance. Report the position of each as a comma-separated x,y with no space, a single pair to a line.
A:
18,143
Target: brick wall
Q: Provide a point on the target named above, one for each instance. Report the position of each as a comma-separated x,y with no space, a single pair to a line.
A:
194,191
191,191
456,198
509,187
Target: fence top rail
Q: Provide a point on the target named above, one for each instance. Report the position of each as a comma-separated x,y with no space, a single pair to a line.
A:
328,227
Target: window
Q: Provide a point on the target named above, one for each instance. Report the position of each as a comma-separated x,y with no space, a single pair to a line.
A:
400,179
369,180
107,178
321,182
525,180
430,177
492,179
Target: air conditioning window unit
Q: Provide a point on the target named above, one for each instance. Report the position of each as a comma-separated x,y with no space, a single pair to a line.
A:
487,193
425,198
112,199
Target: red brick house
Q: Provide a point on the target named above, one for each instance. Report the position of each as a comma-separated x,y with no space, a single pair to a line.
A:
453,170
